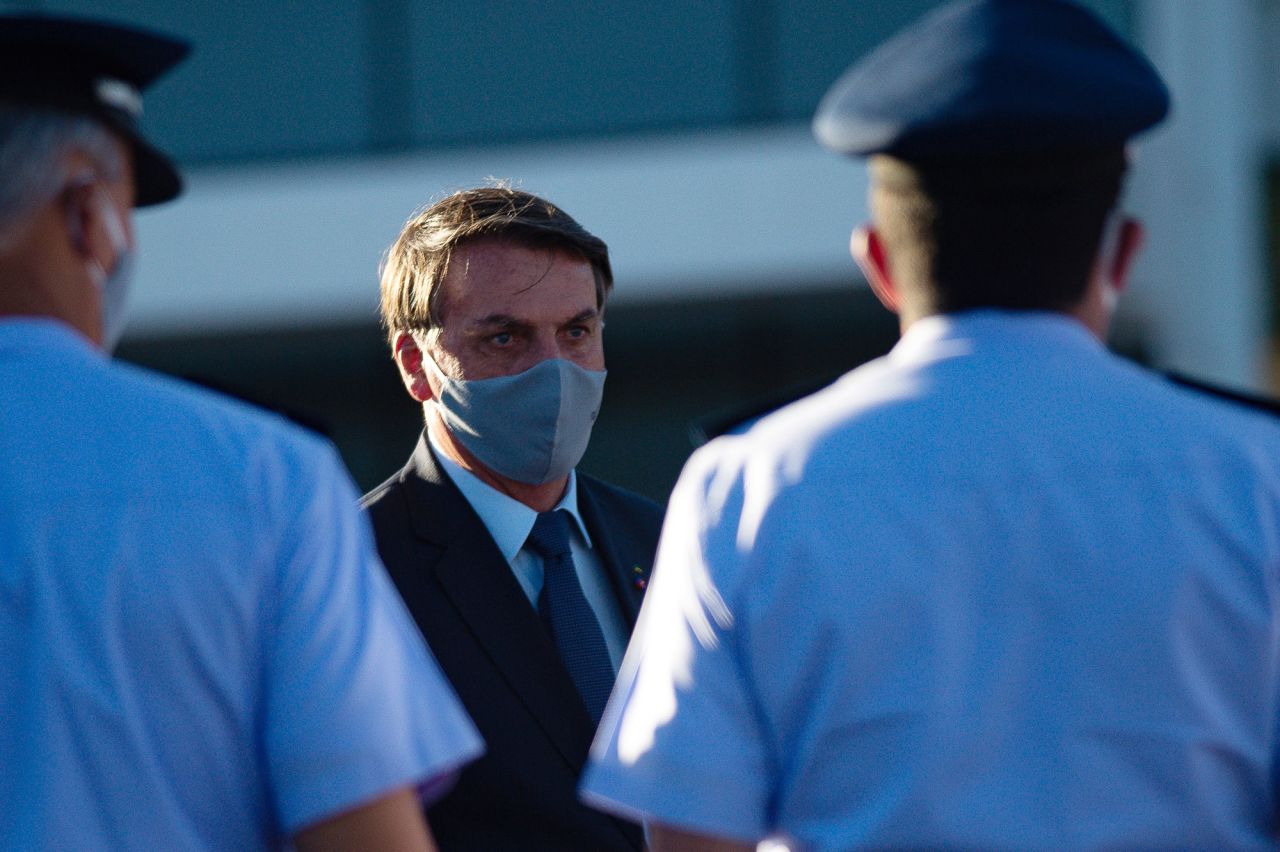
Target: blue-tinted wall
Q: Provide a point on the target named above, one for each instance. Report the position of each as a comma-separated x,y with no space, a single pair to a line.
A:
286,78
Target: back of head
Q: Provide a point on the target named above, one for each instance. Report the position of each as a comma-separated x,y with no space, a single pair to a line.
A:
72,160
997,131
34,142
418,260
1015,235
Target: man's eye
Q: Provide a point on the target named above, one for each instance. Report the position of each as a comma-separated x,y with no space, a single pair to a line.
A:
578,331
502,338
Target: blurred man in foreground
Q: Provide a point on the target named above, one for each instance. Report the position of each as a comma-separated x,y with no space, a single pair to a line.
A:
999,589
198,646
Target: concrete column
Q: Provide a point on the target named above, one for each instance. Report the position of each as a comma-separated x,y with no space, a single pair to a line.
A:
1198,183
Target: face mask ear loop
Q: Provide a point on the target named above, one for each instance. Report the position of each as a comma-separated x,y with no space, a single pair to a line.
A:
447,385
112,285
1110,237
430,364
1107,247
115,226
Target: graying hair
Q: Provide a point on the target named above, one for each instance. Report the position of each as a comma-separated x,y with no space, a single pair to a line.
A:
33,142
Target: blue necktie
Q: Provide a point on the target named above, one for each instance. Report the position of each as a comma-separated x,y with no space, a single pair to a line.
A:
574,627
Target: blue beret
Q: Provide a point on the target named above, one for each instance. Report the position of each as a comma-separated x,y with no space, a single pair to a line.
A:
986,78
97,69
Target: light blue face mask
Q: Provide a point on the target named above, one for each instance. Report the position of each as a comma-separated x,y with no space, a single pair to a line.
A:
532,427
115,292
113,286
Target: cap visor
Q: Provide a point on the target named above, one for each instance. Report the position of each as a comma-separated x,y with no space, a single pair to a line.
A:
156,177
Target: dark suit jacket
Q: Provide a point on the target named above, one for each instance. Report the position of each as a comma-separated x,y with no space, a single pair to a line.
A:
493,647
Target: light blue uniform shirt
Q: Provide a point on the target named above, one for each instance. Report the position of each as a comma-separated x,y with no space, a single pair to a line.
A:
509,523
198,646
999,589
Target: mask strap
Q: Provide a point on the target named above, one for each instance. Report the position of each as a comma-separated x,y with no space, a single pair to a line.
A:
428,359
1107,247
1111,228
113,222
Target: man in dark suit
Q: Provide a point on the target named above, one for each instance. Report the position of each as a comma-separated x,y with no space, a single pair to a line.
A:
524,576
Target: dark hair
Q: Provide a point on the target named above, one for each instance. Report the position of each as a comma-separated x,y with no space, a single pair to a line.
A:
418,260
1018,234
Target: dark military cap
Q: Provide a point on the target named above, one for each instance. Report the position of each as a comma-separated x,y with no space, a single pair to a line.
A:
96,69
993,78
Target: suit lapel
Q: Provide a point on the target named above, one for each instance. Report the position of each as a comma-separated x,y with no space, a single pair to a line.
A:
478,582
619,556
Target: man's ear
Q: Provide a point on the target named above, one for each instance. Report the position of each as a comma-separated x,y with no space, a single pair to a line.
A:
868,252
408,357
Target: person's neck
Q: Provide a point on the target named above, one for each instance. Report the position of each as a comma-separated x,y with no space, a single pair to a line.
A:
1095,309
1094,315
540,498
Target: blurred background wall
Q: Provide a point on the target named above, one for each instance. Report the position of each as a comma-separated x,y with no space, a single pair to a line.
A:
678,132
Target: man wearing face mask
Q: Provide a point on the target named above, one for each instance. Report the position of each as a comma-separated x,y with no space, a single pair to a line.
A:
524,575
198,646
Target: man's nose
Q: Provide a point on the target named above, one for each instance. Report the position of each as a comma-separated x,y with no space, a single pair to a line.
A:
546,345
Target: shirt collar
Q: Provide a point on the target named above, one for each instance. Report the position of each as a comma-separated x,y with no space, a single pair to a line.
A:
960,332
20,334
508,520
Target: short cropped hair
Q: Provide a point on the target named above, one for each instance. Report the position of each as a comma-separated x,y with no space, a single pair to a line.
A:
1019,235
418,260
33,140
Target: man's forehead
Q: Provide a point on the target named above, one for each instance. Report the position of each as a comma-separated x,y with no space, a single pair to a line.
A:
492,256
491,277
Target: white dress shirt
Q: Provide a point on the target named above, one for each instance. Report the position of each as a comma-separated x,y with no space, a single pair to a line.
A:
199,648
509,523
999,589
